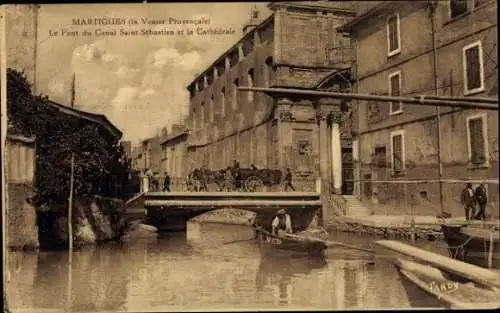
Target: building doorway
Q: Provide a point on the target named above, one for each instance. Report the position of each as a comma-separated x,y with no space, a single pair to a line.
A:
347,172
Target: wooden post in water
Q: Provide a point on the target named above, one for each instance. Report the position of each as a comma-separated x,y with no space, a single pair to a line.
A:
412,210
490,252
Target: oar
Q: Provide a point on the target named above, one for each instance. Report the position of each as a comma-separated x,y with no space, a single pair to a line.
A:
331,243
341,244
236,241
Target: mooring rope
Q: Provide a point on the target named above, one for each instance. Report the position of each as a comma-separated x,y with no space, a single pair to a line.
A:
459,248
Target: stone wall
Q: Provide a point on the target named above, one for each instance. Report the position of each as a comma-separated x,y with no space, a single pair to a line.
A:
424,232
22,228
95,220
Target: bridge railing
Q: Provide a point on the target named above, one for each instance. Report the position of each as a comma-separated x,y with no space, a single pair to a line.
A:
300,184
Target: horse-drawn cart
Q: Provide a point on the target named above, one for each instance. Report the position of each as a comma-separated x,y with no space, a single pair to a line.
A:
255,180
244,179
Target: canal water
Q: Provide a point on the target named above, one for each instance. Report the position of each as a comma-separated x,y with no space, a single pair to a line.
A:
212,267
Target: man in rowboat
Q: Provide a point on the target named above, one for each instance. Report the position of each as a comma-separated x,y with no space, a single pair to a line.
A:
282,223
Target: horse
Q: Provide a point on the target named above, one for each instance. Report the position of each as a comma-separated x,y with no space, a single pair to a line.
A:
199,179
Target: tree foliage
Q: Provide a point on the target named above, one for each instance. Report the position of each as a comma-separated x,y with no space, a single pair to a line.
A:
100,164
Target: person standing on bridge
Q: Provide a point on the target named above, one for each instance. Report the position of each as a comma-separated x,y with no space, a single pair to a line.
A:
282,223
287,181
228,179
203,178
166,182
236,175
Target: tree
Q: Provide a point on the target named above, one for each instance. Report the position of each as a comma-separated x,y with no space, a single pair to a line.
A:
98,157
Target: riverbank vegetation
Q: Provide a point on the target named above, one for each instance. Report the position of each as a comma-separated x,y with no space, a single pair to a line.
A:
100,164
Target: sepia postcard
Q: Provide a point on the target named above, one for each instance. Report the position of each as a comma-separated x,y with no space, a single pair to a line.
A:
239,156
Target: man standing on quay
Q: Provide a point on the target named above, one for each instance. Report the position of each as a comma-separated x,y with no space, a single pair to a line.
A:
482,199
468,201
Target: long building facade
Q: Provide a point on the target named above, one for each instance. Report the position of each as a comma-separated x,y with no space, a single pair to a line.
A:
295,47
412,48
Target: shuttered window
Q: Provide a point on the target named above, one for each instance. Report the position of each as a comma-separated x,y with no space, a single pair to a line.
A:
223,102
380,159
268,69
234,99
458,7
250,84
477,146
393,37
478,3
397,145
473,67
395,90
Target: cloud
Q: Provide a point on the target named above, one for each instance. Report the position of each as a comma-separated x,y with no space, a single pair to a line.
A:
90,52
58,88
126,73
138,100
140,82
124,96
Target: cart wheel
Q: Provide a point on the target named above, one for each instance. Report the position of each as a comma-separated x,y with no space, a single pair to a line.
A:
253,184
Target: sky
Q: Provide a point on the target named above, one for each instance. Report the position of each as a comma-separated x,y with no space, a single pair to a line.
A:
138,82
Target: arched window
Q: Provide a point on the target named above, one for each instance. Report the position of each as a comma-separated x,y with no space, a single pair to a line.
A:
268,71
234,99
193,118
250,84
223,101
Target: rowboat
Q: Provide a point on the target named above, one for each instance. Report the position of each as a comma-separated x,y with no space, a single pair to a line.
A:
477,244
294,243
430,287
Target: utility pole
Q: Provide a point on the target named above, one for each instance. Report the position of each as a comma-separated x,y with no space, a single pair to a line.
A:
438,113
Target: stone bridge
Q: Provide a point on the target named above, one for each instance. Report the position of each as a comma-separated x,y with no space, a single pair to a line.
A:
169,211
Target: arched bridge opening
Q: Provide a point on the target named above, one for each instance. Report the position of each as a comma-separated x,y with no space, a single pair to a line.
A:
171,211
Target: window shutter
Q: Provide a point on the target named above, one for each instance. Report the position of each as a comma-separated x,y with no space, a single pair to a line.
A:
458,7
397,153
395,91
223,101
472,68
477,141
393,35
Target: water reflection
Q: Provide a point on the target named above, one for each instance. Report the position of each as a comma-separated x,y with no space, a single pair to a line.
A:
199,270
278,271
93,281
